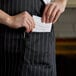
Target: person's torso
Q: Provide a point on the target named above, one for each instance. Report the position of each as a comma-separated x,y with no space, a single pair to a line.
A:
14,7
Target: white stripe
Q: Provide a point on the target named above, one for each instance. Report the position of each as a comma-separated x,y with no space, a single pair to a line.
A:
47,51
34,54
39,53
5,41
43,52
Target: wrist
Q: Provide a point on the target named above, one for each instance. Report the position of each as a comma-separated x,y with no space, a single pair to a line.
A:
8,21
64,2
5,18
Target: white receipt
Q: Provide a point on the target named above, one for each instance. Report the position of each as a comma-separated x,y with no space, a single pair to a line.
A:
40,26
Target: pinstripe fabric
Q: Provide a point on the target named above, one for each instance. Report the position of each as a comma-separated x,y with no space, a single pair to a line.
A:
38,58
26,54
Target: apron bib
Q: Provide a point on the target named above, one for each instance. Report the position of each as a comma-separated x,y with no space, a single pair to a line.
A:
32,55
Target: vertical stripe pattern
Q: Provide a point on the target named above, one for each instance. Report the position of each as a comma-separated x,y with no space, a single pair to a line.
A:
26,54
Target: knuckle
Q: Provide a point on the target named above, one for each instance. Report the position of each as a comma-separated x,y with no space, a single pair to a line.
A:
25,12
53,14
57,7
23,17
48,4
54,4
47,14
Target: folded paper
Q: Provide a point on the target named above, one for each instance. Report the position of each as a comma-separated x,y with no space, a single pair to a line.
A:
40,26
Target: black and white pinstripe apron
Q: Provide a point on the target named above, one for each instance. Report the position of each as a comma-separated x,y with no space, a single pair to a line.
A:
26,54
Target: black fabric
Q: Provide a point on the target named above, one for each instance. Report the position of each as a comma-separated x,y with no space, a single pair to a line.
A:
26,54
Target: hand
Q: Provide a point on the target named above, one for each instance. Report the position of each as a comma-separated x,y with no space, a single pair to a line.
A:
22,20
53,11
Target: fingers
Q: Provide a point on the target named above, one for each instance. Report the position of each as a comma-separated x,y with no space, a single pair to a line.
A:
28,23
56,16
31,20
52,12
44,14
47,12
